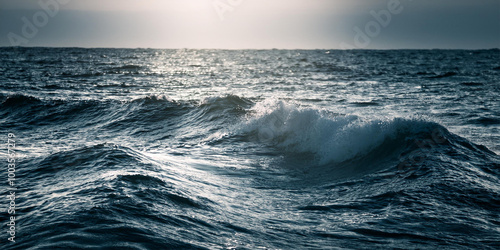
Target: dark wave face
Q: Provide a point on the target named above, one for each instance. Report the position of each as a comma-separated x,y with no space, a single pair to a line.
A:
213,149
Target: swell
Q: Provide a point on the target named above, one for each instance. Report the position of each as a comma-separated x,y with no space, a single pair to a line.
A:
103,195
330,138
408,170
328,145
150,114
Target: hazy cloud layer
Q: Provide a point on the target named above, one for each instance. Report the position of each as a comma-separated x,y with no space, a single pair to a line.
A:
252,23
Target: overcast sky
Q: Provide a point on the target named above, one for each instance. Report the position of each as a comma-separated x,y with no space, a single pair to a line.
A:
253,24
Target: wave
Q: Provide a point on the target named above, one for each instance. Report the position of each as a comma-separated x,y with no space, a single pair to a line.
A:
365,104
131,69
222,102
19,99
485,121
326,138
226,106
83,75
447,74
472,84
85,192
25,110
157,117
227,100
102,71
154,99
331,138
152,201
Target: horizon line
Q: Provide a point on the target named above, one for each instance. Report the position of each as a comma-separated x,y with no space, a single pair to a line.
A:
157,48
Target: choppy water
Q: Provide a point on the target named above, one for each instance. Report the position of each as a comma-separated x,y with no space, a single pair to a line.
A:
271,149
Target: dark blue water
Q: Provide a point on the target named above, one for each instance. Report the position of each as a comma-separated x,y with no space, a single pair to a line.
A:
270,149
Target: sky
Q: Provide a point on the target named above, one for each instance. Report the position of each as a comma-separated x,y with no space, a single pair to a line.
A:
252,24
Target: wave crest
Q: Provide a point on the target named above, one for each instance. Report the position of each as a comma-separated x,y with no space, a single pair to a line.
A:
19,99
331,138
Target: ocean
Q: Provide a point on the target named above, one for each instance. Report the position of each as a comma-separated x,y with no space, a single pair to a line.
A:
249,149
